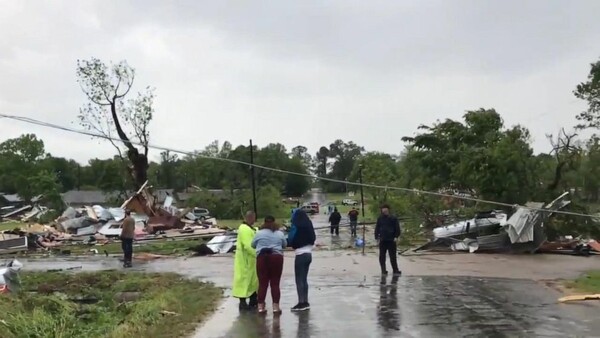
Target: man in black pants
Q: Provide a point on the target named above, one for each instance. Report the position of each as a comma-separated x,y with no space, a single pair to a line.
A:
335,219
387,232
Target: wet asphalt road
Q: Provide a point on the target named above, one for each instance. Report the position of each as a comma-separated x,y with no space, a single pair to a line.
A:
348,305
415,307
431,306
351,300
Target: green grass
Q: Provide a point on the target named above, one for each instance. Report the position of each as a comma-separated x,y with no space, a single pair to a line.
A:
163,247
48,306
10,225
589,282
229,223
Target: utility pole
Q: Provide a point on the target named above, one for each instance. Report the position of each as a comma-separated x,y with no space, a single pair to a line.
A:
78,176
252,178
362,206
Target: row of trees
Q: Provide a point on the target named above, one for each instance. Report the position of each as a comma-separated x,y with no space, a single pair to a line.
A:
477,154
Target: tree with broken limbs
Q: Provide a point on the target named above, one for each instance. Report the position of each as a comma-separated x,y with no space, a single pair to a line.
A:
108,112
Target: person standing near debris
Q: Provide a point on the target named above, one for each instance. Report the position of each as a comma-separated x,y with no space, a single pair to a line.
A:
269,243
302,238
353,216
387,231
334,220
127,235
245,280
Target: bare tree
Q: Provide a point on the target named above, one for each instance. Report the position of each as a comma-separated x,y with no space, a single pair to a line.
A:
108,113
566,151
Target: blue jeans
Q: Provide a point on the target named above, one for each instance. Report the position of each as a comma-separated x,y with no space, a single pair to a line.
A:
127,246
301,265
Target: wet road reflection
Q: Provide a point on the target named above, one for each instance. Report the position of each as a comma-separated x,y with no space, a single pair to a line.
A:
388,315
304,329
419,307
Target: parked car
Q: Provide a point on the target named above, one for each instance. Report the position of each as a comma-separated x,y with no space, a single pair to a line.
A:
201,213
348,201
310,209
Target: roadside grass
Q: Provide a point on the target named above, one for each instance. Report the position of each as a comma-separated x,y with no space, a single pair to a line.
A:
11,225
106,304
162,247
231,224
588,282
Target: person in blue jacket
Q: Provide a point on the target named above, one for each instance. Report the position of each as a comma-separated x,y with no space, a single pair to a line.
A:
301,237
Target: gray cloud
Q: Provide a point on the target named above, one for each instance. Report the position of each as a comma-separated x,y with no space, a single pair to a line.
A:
302,72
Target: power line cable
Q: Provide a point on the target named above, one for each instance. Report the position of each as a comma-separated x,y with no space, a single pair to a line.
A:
367,185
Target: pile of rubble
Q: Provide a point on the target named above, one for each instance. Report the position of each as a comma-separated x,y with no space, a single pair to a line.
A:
522,232
24,213
98,224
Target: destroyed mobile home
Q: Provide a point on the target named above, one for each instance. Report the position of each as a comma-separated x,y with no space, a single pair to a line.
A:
522,232
97,224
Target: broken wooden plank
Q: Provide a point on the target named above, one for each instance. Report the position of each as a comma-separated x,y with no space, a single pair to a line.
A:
576,298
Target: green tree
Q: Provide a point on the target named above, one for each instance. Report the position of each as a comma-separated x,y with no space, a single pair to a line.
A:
167,171
67,171
478,155
589,171
590,92
108,175
108,113
19,161
344,155
46,183
378,169
301,153
296,185
321,162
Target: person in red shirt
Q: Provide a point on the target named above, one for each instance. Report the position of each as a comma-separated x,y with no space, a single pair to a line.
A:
353,216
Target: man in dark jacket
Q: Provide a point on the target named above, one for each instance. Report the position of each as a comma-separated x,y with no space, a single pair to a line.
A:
387,232
334,220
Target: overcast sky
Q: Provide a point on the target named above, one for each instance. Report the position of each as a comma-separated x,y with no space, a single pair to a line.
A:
300,72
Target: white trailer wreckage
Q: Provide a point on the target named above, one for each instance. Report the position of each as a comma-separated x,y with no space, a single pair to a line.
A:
522,232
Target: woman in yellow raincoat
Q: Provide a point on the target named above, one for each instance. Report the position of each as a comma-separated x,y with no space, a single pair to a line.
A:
245,280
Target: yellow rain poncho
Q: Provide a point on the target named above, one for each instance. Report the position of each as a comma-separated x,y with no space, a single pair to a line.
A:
245,281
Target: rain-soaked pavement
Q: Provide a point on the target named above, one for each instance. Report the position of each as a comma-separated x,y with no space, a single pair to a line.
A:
356,304
433,298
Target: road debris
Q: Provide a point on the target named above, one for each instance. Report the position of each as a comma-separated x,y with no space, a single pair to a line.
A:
578,298
98,225
523,231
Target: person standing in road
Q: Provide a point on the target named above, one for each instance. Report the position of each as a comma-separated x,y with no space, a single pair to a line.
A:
127,235
353,216
245,280
387,231
334,220
269,243
302,238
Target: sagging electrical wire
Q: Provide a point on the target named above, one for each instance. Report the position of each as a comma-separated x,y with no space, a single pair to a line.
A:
366,185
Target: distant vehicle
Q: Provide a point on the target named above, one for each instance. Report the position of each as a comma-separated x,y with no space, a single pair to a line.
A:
201,213
310,209
290,200
348,201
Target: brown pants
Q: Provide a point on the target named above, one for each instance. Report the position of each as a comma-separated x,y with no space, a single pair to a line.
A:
268,268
